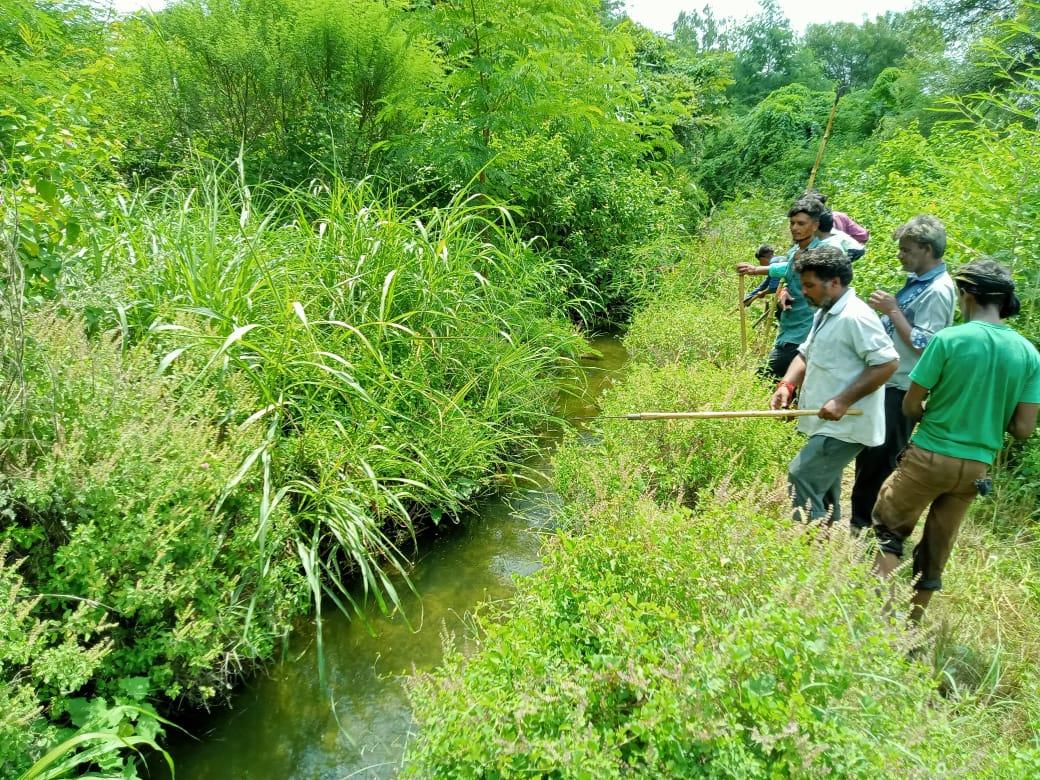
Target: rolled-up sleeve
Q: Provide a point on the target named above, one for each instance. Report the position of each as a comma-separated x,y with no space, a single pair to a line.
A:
873,344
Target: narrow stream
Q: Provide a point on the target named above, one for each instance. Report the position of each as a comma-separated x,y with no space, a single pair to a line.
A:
285,725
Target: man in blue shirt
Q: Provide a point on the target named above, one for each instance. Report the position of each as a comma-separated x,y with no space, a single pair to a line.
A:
803,220
911,317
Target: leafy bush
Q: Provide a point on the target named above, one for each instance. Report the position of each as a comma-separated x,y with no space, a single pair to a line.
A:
772,146
722,643
40,661
123,496
686,356
301,87
597,212
676,458
397,357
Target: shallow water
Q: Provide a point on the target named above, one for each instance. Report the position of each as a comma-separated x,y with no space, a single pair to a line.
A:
284,724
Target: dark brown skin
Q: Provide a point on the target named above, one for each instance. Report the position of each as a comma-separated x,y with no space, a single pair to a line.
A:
803,227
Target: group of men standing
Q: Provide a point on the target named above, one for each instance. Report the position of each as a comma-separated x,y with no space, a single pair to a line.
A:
874,378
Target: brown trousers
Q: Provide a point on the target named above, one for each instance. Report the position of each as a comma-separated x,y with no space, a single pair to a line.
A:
943,485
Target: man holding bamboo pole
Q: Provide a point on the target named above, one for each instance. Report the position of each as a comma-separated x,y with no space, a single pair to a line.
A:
846,359
795,319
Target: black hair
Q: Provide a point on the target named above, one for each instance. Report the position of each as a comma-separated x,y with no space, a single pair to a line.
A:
811,206
991,285
827,262
815,194
827,221
763,250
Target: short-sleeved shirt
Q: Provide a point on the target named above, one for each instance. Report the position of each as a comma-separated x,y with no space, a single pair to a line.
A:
769,284
976,374
843,341
927,303
795,321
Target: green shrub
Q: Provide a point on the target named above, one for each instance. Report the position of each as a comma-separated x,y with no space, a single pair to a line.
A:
396,356
665,643
125,499
686,332
40,662
604,217
771,147
678,458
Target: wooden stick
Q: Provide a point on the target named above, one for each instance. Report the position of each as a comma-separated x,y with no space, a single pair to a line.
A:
743,313
823,143
774,413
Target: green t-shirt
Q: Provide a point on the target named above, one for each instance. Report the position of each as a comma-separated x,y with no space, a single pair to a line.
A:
977,373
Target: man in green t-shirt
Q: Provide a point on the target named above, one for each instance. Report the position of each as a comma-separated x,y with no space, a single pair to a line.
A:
981,379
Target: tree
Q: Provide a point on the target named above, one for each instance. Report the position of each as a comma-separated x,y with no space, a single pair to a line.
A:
296,85
701,30
768,56
852,55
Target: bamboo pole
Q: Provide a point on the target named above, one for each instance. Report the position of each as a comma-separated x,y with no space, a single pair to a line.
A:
762,316
823,143
743,313
771,413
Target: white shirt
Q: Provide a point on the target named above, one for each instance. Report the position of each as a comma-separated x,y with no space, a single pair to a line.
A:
841,240
843,341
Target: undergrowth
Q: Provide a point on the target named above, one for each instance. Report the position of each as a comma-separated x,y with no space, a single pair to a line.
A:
248,398
683,627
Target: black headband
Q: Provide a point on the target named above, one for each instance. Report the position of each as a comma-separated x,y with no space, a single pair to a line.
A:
982,283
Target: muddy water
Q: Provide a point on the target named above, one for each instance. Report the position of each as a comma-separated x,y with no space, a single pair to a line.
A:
284,724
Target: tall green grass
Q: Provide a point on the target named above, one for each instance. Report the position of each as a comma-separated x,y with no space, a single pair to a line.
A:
399,355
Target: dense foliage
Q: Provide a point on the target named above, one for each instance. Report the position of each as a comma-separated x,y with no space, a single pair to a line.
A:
285,282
